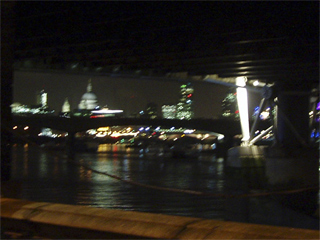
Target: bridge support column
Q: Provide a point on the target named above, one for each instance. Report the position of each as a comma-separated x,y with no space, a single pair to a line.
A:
292,119
292,159
291,163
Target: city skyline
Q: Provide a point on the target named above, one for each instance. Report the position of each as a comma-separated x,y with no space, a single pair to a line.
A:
131,95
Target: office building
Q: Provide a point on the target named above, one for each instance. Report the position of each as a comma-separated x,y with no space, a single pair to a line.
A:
230,106
169,111
184,108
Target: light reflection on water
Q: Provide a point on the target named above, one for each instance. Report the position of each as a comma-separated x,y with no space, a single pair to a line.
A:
50,179
43,165
47,178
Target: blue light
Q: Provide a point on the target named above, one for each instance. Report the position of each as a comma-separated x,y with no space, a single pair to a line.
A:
256,111
312,134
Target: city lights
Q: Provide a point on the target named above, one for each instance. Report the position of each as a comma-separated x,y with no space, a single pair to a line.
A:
101,134
189,131
220,137
183,110
106,111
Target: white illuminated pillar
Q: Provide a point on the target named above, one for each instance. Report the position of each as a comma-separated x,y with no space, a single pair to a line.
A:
242,98
44,99
66,106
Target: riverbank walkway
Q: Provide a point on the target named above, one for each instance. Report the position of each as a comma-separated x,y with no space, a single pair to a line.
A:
27,219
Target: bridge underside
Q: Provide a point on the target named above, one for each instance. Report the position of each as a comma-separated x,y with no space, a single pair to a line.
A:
270,42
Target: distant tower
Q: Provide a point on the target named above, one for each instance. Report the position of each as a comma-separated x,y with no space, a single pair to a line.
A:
169,111
185,105
66,106
42,99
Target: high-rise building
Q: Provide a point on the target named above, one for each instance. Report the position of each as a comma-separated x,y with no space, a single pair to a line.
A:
185,105
169,111
230,106
42,99
40,108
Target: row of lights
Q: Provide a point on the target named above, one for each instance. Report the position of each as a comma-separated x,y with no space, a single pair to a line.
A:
25,128
103,132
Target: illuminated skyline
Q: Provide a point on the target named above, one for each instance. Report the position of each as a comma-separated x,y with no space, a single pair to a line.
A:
117,93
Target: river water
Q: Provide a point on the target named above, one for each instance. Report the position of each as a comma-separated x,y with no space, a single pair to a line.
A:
50,178
117,177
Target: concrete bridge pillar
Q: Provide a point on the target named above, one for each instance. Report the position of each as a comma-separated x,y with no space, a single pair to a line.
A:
292,158
293,162
290,163
292,119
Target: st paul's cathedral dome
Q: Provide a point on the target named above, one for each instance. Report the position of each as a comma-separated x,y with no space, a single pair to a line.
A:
89,100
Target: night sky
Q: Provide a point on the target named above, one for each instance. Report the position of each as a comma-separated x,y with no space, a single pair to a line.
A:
158,26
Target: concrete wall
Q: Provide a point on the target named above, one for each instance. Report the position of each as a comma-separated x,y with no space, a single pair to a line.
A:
67,221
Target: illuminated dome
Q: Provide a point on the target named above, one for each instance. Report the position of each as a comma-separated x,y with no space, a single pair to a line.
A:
89,100
89,96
